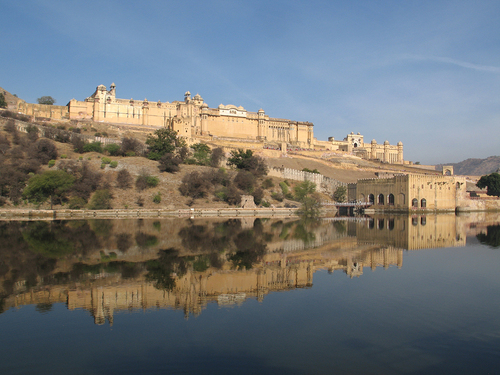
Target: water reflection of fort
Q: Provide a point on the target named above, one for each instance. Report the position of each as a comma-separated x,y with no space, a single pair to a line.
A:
350,247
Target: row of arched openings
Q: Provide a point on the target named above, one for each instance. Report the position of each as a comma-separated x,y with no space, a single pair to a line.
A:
423,203
381,199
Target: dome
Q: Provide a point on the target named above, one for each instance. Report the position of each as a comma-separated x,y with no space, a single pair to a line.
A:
112,85
386,143
359,133
374,142
197,97
400,143
221,106
204,105
261,111
187,93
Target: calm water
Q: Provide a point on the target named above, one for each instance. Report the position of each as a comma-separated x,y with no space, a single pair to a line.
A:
380,295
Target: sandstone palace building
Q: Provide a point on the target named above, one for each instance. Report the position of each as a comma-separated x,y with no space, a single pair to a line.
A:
193,119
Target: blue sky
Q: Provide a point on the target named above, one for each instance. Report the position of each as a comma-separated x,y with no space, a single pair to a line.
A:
426,73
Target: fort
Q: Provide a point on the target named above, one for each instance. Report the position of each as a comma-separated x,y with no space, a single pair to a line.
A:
194,120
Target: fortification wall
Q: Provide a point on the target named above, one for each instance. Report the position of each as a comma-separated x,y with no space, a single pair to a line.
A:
324,184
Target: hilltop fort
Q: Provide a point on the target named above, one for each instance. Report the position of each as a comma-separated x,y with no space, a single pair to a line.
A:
194,120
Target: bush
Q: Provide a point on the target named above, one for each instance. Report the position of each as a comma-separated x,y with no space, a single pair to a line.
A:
113,164
64,156
169,163
144,181
258,194
112,149
284,187
195,185
52,163
265,204
101,200
277,196
216,157
123,179
268,183
92,147
157,198
245,181
106,160
78,144
76,203
43,150
131,147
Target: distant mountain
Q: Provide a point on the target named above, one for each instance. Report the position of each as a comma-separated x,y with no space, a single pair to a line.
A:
475,167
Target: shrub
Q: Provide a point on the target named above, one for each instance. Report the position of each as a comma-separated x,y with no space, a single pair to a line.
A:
64,156
277,196
245,181
43,150
78,144
112,149
268,183
92,147
101,200
284,187
131,147
144,181
52,163
113,164
140,201
103,165
123,179
265,204
216,157
157,198
106,160
169,163
195,185
76,203
258,194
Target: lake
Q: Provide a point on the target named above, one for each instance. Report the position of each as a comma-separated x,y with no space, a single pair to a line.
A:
367,295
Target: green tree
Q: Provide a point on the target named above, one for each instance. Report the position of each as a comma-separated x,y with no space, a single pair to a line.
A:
492,182
101,200
49,184
3,103
201,153
49,100
340,194
162,142
304,189
248,161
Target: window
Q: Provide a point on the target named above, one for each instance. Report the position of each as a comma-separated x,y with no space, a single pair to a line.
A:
371,198
423,203
381,199
391,200
380,223
414,203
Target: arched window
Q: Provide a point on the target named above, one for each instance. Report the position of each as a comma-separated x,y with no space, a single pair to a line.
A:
380,223
371,198
414,221
423,220
414,203
371,223
381,199
390,200
390,224
423,203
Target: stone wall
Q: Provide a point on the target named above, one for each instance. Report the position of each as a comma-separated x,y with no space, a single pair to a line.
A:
324,184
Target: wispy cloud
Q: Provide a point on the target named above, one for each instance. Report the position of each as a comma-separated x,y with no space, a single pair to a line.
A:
463,64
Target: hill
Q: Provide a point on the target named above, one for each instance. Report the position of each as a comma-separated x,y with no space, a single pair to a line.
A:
475,167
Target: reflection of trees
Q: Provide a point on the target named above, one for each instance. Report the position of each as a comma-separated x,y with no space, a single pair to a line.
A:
250,250
492,236
161,271
123,242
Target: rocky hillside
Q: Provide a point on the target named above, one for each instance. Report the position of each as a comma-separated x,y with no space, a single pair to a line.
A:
475,167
